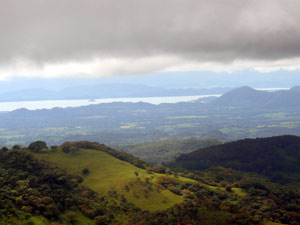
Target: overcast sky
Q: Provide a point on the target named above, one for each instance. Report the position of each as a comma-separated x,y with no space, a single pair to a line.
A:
53,38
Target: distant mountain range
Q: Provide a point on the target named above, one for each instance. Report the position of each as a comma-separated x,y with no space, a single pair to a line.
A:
112,90
240,113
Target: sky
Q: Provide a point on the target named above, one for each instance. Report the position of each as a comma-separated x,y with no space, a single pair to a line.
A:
98,38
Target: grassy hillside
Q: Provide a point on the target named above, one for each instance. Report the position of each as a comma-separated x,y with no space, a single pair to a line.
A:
109,174
33,192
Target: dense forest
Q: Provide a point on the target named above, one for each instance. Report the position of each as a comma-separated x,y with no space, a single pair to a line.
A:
275,157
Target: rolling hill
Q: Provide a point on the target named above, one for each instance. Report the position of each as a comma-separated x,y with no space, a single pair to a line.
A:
107,173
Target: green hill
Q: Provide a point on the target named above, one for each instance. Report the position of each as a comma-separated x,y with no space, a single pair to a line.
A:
108,174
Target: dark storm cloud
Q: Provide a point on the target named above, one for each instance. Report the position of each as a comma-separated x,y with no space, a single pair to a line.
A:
210,30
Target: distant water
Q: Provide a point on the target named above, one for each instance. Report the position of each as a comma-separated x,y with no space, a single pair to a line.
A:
49,104
272,89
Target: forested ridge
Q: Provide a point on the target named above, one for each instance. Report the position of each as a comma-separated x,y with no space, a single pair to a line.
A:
274,157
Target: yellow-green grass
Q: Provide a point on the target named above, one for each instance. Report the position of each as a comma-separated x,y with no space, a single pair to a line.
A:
273,223
237,191
39,220
109,173
79,218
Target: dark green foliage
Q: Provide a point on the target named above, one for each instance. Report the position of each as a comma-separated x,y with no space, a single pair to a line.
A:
36,188
33,186
158,169
85,171
53,147
275,157
4,149
196,212
16,147
37,146
263,199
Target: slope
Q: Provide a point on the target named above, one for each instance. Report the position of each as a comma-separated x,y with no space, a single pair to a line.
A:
108,174
275,157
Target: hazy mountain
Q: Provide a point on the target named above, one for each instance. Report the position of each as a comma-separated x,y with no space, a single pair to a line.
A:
113,90
251,98
241,113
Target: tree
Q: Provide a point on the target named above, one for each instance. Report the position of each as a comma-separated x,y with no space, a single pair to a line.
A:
37,146
85,171
53,147
16,147
4,149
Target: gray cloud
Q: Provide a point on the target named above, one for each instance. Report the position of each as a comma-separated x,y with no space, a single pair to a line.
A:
199,30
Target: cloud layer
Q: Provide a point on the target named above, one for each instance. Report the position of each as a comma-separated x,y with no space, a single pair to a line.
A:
107,37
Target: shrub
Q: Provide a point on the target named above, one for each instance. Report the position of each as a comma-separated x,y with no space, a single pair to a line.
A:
53,147
16,147
4,149
37,146
85,171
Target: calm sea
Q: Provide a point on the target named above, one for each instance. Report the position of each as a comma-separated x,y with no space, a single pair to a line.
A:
49,104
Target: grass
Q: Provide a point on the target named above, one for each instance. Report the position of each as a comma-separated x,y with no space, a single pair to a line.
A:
38,220
79,218
238,191
109,173
273,223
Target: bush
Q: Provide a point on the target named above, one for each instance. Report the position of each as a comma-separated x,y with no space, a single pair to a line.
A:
53,147
85,171
4,149
37,146
69,147
16,147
